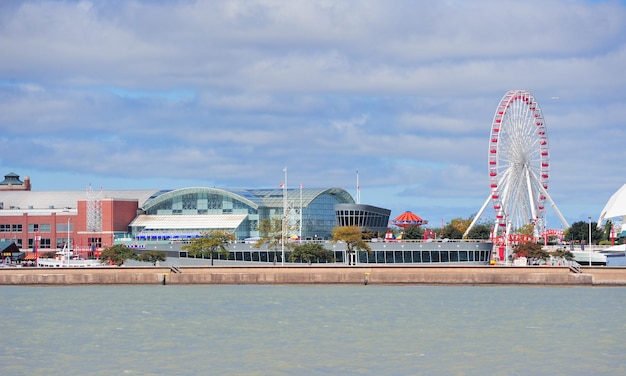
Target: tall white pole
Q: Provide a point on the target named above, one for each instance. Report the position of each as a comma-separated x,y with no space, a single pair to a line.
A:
358,188
300,227
589,245
68,241
284,222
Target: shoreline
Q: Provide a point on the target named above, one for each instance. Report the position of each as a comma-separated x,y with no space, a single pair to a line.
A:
314,274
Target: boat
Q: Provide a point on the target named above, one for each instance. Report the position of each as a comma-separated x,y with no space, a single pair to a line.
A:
65,258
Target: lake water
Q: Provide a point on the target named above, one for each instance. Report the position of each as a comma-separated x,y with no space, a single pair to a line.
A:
312,330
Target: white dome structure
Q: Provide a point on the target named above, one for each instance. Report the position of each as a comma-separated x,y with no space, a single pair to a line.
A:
615,207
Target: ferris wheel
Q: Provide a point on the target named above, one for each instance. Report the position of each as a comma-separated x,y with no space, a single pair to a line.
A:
518,165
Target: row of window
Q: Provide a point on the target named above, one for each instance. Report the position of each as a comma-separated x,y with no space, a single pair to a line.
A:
32,227
374,257
362,218
47,242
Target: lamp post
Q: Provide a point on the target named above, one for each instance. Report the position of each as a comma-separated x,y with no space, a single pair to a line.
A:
284,221
589,245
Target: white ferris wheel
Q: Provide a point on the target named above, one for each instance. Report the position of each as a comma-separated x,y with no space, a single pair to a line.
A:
519,166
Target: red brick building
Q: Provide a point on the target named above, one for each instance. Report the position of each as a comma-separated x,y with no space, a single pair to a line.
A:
49,217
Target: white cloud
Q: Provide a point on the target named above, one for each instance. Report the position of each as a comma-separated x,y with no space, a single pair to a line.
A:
228,92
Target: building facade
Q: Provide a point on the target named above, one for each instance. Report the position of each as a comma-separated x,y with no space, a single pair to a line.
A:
89,220
367,217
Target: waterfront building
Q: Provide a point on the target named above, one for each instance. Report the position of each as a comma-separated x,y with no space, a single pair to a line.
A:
167,219
90,220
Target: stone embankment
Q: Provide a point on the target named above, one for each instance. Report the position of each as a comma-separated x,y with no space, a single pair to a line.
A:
426,275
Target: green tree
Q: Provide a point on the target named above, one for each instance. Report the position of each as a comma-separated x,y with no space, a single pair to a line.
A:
117,254
580,231
152,257
311,252
209,243
563,253
413,232
451,231
271,231
456,228
527,229
608,227
352,236
480,231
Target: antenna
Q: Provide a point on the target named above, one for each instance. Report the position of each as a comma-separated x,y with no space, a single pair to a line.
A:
358,188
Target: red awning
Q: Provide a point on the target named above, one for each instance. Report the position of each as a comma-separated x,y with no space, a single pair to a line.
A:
30,256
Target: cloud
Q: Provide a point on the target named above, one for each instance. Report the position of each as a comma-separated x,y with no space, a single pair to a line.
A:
227,93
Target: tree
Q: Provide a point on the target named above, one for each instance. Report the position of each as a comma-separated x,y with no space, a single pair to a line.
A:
353,238
271,231
562,253
152,257
209,243
580,231
456,228
452,232
480,231
413,232
530,250
311,252
527,229
117,254
608,230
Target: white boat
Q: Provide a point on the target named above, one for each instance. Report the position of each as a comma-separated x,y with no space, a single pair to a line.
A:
65,259
582,257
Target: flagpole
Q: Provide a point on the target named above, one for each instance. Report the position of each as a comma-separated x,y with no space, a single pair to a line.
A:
358,188
282,240
300,227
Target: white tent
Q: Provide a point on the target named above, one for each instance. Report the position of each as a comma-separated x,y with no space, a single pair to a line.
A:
616,206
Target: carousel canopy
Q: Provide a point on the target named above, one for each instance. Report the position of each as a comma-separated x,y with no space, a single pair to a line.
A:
407,219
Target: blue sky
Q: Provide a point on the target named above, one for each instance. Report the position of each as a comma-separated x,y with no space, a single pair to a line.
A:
172,94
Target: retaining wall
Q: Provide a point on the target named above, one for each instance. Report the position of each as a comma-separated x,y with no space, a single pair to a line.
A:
483,275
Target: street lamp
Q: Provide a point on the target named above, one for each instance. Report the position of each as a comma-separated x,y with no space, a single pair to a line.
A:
589,245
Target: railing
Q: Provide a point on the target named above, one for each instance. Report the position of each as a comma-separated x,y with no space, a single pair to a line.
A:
175,268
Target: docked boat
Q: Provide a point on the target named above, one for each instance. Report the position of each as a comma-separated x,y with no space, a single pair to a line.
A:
65,258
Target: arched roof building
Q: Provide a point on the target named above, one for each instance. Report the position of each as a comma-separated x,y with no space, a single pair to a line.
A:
185,213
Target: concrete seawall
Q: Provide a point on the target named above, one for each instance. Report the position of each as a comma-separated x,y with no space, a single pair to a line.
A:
426,275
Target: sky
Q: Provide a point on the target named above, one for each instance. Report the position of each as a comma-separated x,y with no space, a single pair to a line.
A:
173,94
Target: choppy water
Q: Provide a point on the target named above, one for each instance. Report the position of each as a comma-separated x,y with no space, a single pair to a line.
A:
312,330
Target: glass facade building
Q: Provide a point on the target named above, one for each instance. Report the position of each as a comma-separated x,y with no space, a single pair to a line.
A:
185,213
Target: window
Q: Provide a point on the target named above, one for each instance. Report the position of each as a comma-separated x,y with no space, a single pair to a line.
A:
94,242
43,243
